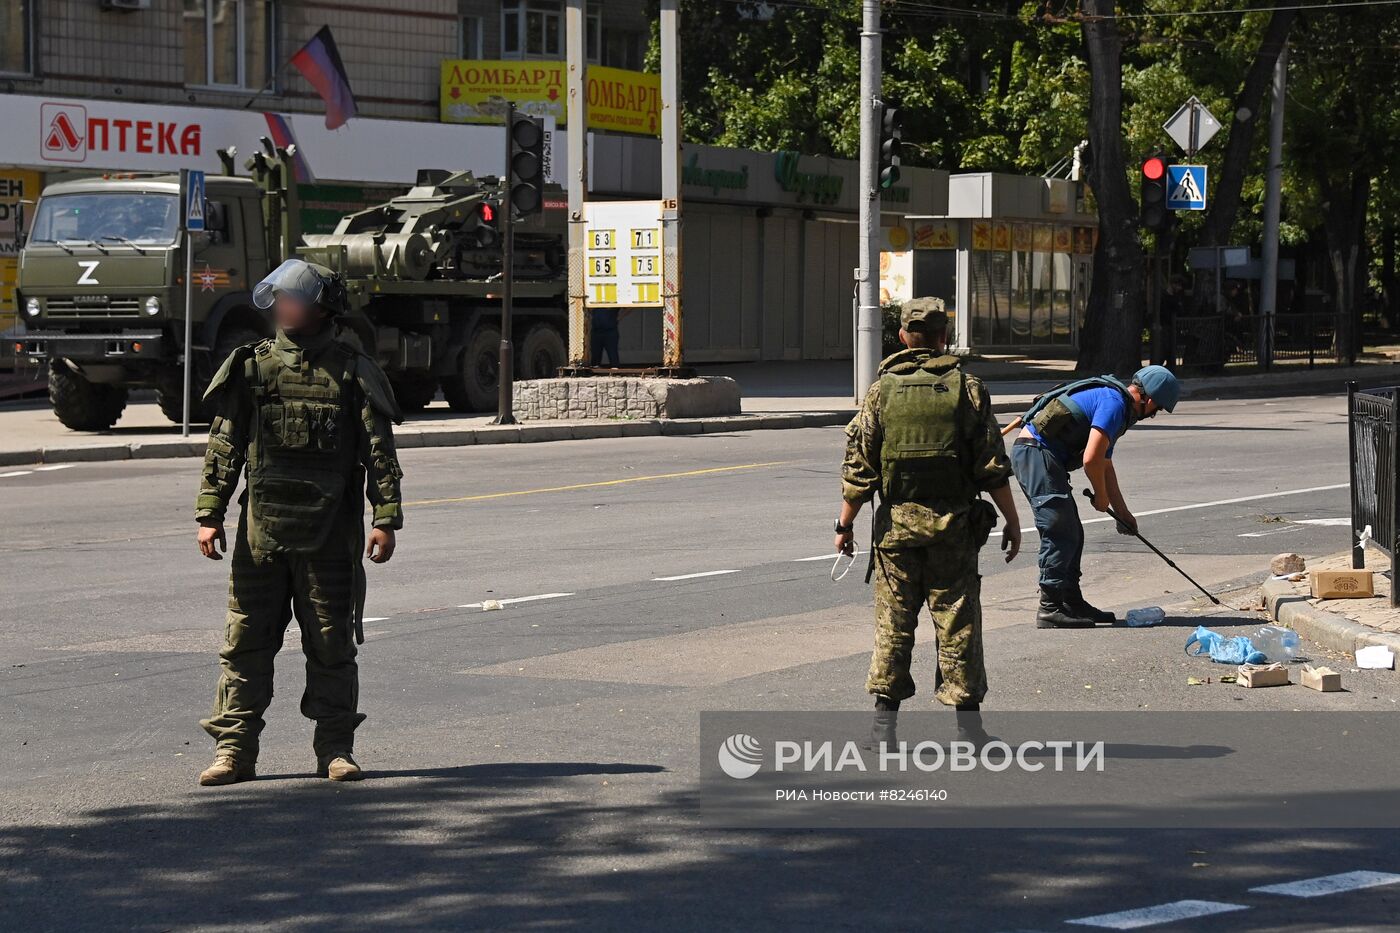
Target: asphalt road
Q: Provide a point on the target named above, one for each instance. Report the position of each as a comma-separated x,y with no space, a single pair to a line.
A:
535,766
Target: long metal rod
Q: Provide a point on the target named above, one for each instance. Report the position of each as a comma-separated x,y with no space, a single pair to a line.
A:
189,329
505,408
1273,195
672,342
580,326
868,326
1089,494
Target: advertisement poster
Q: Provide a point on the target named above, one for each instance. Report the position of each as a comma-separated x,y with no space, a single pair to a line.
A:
618,100
981,234
936,234
16,185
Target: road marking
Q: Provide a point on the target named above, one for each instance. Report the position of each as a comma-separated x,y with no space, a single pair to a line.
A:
831,556
1211,505
55,466
1266,534
1327,522
1162,913
692,576
375,619
16,473
1330,884
601,483
518,599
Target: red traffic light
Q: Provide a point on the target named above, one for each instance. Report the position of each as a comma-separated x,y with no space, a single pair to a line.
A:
1154,168
488,213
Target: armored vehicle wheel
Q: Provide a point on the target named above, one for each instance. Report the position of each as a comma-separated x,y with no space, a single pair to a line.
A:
474,386
542,353
83,405
414,392
170,390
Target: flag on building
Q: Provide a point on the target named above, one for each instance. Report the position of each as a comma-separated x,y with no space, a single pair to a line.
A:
280,129
319,62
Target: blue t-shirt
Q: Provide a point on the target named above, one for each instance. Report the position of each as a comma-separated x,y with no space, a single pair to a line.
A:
1106,411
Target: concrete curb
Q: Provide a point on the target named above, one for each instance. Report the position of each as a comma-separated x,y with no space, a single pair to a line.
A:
525,433
1318,625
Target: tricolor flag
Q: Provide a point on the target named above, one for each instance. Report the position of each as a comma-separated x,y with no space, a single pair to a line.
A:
319,62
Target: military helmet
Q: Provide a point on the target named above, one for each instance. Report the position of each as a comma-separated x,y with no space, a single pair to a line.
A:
308,281
924,314
1160,385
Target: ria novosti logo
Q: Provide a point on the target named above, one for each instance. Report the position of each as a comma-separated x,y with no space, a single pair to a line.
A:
740,756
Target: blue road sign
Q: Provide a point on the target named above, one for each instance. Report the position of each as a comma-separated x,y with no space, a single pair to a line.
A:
1186,187
194,200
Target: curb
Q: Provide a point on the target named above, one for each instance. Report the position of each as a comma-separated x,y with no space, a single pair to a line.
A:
1318,625
525,433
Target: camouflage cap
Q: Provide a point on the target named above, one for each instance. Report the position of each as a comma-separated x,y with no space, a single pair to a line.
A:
923,314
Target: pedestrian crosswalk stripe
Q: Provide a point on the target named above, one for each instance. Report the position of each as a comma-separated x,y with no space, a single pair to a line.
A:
1330,884
1162,913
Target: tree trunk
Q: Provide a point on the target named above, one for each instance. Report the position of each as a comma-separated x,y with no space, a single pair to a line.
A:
1344,222
1111,340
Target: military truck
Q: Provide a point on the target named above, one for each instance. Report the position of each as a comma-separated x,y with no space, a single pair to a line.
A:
101,285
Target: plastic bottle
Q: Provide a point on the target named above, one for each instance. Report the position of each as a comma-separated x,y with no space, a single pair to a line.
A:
1277,643
1141,618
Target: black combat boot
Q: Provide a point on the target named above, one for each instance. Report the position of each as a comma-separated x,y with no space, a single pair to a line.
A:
1054,613
970,728
882,732
1075,602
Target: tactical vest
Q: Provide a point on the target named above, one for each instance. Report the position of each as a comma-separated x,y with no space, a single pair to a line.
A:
1059,420
924,456
302,455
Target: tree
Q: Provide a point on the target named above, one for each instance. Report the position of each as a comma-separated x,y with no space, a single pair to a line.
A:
1111,339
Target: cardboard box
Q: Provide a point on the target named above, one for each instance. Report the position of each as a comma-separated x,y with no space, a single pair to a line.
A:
1266,676
1342,584
1321,678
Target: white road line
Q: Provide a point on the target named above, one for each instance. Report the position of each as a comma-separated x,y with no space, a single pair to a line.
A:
831,556
375,619
1162,913
1330,884
692,576
16,473
1329,522
518,599
1268,534
1211,505
54,466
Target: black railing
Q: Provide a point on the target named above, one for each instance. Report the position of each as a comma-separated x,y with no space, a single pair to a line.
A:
1373,428
1214,340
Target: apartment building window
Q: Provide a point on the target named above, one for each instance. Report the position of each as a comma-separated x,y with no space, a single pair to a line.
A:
229,43
471,34
17,37
535,29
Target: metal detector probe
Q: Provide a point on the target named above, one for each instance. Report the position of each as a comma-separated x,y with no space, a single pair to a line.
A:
1089,494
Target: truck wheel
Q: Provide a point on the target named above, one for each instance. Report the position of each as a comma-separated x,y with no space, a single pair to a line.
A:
542,353
170,390
83,405
414,392
474,386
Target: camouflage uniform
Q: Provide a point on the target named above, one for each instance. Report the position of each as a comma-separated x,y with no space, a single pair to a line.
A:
925,550
309,417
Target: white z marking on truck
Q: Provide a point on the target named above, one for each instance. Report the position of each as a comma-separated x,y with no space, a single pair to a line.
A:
89,267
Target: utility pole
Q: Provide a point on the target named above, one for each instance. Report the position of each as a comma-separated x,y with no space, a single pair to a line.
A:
868,322
577,93
671,342
505,399
1268,286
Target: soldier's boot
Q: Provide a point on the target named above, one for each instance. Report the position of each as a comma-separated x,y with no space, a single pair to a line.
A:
970,728
1055,613
339,766
1075,601
883,731
227,769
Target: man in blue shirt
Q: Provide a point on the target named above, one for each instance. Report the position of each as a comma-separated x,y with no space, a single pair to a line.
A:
1079,425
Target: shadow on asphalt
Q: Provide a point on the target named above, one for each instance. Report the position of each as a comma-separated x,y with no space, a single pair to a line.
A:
496,771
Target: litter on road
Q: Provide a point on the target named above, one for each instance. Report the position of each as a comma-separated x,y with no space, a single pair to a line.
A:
1375,658
1263,675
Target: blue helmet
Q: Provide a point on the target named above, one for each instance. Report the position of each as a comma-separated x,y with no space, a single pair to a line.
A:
1160,385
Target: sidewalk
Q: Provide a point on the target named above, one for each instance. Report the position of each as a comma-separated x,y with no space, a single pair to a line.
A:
1340,624
776,395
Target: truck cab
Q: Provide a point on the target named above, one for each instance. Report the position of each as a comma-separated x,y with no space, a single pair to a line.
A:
101,289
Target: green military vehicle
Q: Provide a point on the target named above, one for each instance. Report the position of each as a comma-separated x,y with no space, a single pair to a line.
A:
101,286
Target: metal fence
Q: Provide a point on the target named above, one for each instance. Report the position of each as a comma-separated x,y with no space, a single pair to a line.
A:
1373,419
1214,340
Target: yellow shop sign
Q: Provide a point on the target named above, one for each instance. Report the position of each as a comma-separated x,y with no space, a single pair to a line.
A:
618,100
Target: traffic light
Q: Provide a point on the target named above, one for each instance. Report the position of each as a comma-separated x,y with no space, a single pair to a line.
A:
526,164
481,226
1153,213
891,142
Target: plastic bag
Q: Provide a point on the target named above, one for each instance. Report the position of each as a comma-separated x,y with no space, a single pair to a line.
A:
1234,650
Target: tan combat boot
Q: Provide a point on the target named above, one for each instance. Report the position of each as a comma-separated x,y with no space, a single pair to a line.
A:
227,769
339,766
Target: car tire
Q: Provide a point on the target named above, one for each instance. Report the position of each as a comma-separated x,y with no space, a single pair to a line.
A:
82,405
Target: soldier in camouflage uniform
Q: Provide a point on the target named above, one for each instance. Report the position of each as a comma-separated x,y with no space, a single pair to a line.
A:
309,417
926,440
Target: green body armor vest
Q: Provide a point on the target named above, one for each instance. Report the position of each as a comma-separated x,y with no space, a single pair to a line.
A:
302,455
924,457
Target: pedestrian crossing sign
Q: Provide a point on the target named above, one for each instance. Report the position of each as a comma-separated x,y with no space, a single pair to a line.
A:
193,186
1186,187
